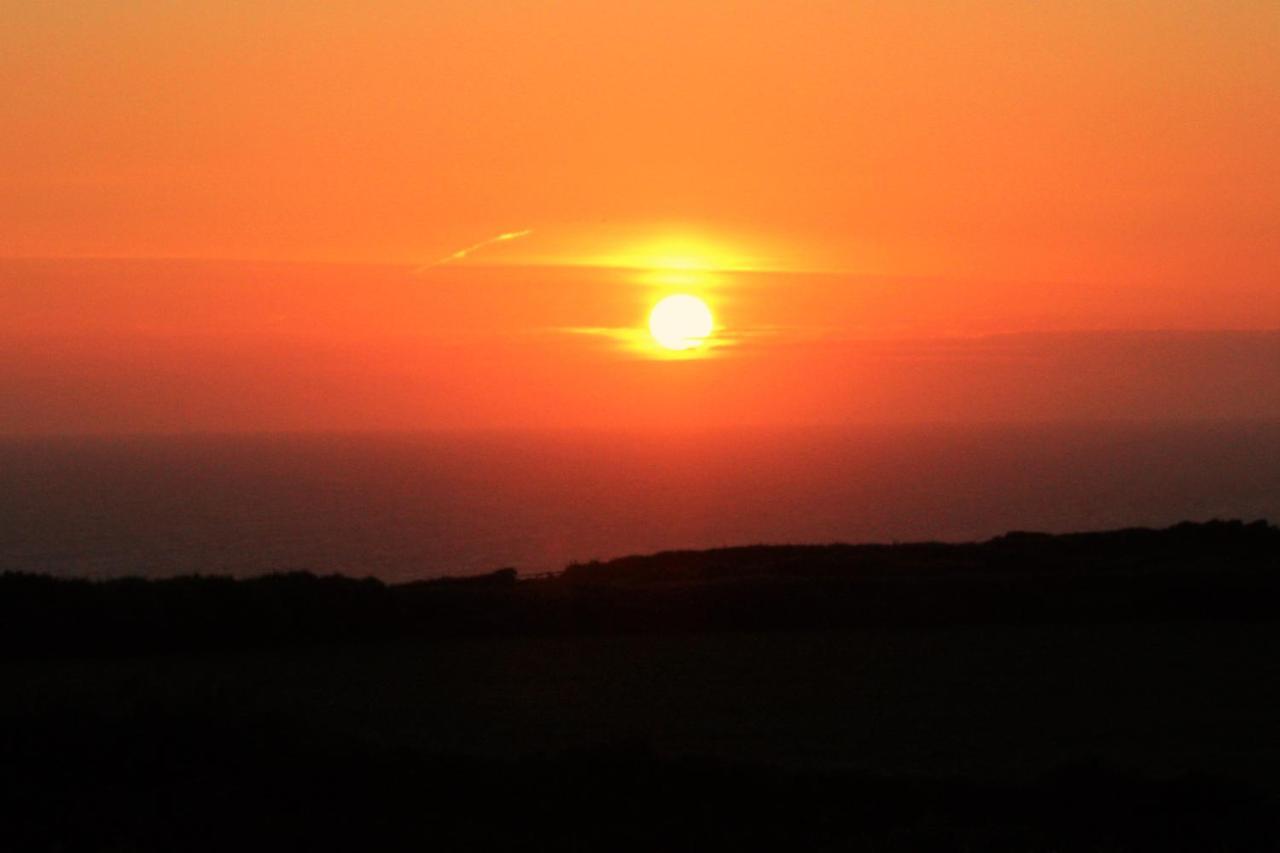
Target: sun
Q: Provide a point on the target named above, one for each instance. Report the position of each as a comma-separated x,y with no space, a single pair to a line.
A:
680,322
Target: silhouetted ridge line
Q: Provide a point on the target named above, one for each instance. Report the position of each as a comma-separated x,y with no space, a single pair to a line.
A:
1220,570
1186,546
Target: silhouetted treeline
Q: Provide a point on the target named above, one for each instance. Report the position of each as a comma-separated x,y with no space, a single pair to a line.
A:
1217,570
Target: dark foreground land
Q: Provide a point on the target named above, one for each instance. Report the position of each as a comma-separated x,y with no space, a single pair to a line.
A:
1116,691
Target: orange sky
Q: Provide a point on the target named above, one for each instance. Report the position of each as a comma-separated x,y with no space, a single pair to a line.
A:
908,179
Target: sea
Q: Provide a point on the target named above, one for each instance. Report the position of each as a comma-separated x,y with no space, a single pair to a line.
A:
408,506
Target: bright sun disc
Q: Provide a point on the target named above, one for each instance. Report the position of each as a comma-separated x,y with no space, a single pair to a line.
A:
680,322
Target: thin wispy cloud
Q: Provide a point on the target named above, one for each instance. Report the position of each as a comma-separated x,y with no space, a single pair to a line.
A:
475,247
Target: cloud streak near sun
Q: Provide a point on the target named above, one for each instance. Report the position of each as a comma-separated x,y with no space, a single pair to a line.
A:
475,247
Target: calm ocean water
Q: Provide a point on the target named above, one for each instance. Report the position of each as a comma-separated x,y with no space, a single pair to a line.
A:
406,506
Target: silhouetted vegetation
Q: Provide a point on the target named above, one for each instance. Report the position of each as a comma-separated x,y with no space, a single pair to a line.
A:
1216,547
1217,570
1110,691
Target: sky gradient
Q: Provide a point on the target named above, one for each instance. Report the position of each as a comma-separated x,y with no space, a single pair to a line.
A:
279,215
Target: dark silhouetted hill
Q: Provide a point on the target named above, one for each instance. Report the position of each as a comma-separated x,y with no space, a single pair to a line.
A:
1221,570
1188,547
167,715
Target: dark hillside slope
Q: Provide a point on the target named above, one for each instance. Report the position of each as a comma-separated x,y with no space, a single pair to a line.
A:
1212,571
1188,547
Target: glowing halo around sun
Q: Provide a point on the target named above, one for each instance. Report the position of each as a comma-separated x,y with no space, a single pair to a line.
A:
681,322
